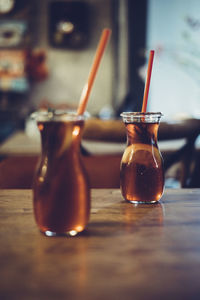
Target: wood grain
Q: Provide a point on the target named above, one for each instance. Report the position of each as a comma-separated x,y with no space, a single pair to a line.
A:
127,251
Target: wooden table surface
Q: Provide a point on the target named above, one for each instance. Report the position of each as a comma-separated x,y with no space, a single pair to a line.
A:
127,252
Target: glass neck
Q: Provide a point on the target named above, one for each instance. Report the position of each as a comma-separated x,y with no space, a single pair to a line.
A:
58,137
142,132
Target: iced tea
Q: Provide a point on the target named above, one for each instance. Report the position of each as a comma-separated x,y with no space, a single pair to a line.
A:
141,173
61,188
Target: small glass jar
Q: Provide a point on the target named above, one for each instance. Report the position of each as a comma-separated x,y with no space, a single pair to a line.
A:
141,170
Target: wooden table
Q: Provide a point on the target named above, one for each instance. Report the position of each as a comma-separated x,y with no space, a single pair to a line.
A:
128,252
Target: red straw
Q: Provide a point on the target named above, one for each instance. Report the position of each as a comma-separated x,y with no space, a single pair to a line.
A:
146,91
87,88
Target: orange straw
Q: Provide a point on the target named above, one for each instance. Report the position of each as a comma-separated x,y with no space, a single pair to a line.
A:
146,91
87,88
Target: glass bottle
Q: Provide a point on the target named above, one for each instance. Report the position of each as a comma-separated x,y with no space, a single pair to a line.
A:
141,170
61,193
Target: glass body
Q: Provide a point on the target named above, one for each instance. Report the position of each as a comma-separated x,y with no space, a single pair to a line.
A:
141,170
61,193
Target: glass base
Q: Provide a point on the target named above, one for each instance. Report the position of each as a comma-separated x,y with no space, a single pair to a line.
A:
70,233
142,202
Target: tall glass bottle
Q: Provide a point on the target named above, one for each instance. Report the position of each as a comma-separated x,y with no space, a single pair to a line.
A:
141,171
61,193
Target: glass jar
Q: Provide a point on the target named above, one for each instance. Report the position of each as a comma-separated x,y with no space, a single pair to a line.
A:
61,192
141,170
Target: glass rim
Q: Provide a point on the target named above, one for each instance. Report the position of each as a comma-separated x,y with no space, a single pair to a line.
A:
139,114
58,115
141,117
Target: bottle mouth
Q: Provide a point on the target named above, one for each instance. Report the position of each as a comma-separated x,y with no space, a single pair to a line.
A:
58,115
148,117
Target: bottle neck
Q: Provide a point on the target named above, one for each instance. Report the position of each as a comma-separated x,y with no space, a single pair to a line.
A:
142,132
60,137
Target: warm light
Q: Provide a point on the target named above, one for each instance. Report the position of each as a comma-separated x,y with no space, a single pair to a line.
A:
40,127
159,196
79,228
76,131
73,232
43,170
65,27
41,179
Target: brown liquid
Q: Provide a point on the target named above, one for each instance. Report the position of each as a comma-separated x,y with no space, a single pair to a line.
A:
61,189
141,172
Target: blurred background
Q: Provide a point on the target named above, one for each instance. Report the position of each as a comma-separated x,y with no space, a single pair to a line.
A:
47,48
46,51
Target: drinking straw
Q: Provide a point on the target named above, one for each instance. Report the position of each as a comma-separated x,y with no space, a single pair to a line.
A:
146,90
99,53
